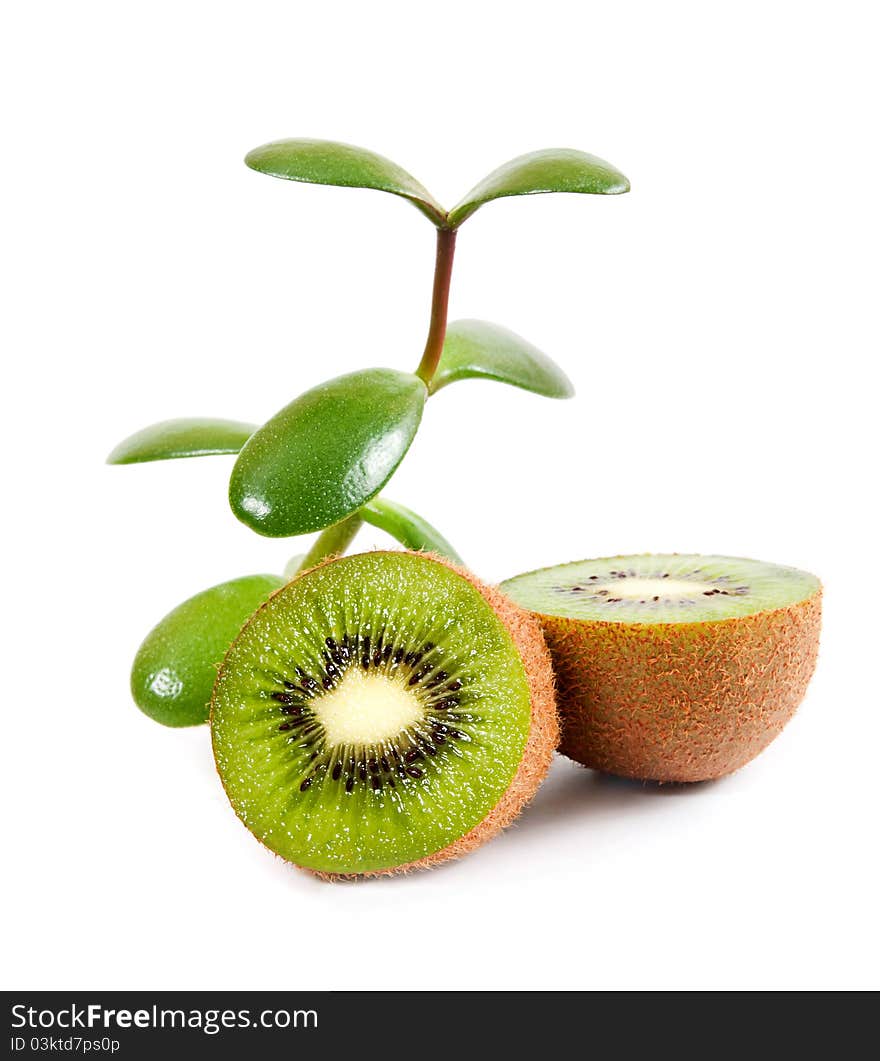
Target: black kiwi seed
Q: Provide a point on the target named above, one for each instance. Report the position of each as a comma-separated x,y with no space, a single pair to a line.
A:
415,772
349,783
305,784
337,772
335,652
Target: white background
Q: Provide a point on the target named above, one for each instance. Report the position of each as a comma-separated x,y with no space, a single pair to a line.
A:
720,325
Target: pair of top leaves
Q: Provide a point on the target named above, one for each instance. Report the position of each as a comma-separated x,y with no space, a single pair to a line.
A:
329,452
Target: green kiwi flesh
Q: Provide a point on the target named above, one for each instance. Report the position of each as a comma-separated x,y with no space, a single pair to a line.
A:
371,713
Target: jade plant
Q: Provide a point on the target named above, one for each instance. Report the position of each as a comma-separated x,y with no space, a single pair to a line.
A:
320,464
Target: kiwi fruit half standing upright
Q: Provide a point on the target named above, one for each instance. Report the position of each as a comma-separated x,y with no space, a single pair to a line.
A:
383,711
674,667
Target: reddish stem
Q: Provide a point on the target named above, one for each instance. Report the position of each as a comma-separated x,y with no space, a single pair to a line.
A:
439,304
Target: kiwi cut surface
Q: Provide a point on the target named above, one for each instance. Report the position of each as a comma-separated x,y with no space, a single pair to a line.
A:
674,667
382,711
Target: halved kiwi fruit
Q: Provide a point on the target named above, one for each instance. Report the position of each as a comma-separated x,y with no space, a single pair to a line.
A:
383,711
673,667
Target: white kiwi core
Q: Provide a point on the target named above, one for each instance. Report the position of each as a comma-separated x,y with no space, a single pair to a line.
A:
645,588
366,709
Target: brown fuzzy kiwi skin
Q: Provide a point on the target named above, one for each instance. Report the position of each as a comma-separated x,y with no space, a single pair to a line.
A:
680,702
528,638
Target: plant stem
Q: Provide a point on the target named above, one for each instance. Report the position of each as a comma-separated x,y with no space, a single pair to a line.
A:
439,305
333,541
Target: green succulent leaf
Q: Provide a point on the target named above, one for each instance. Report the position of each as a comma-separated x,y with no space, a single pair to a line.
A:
408,527
329,162
182,438
327,453
175,667
481,350
552,170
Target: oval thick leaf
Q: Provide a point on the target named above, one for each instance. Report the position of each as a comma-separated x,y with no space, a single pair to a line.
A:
329,162
408,527
481,350
182,438
556,169
175,667
327,453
